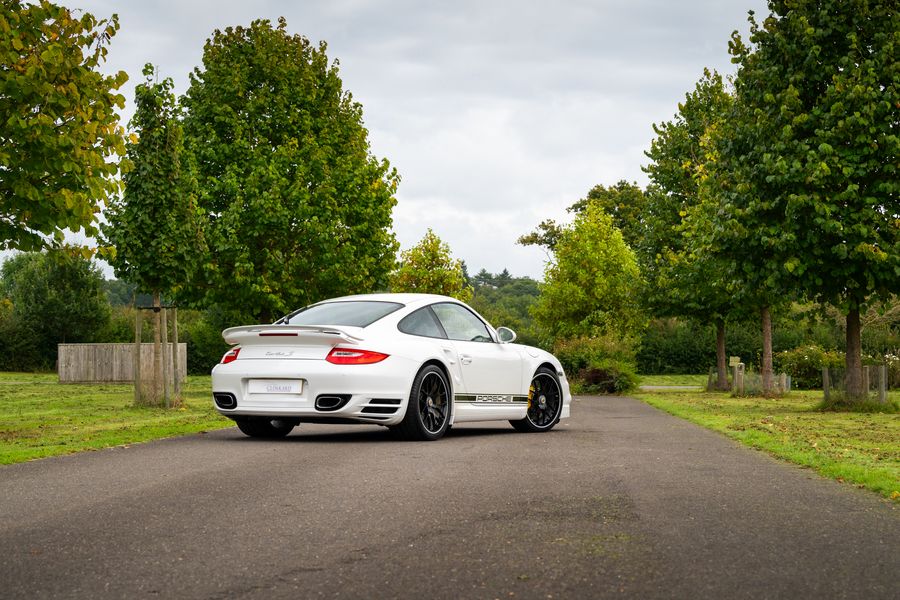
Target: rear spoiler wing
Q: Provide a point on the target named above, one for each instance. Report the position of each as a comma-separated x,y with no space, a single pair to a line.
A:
315,334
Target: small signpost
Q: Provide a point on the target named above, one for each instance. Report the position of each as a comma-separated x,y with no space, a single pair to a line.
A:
737,378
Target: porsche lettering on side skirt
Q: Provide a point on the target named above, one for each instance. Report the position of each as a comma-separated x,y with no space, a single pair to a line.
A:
491,398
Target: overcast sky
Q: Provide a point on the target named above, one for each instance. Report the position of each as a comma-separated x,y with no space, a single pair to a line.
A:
497,115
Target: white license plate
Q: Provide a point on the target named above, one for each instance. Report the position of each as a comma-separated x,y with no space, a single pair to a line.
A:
276,386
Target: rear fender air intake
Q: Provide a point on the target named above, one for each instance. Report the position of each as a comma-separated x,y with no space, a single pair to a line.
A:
225,400
331,402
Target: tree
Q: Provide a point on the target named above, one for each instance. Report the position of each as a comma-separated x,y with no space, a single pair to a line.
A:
153,228
624,202
682,282
546,235
591,286
508,304
58,125
57,297
806,174
429,268
295,206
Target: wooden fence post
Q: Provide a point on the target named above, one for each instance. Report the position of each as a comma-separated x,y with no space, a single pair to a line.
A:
826,382
177,363
137,356
865,380
166,355
882,384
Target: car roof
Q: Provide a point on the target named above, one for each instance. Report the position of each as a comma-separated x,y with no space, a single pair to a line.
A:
406,299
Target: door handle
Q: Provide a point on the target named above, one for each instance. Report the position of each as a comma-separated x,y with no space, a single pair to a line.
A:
464,359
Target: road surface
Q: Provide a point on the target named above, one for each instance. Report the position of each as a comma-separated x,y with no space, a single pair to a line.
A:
621,501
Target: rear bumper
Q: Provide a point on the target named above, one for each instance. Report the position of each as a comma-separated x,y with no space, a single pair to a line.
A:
375,393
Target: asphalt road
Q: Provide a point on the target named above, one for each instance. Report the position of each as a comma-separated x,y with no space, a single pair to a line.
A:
620,501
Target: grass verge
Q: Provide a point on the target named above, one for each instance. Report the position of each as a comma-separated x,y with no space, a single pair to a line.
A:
40,417
858,448
698,380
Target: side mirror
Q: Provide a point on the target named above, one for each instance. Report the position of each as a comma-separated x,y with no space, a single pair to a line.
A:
506,335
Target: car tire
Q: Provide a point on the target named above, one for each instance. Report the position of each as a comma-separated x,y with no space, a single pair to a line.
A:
428,410
265,428
544,403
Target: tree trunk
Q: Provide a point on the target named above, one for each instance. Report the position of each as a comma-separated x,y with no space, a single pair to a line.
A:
157,351
853,378
768,378
721,366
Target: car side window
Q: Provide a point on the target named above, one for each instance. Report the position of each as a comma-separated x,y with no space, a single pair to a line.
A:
461,324
421,322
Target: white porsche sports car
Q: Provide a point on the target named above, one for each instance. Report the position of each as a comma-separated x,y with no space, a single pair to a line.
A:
417,363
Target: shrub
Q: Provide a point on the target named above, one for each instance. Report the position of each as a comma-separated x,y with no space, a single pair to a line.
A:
598,364
892,360
804,365
204,342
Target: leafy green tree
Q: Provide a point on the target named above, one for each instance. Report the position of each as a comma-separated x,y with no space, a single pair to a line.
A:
153,231
296,207
546,235
153,228
682,282
592,284
624,202
57,297
429,268
58,125
806,167
508,304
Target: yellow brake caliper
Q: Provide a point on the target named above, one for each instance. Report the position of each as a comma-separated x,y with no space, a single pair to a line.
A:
530,395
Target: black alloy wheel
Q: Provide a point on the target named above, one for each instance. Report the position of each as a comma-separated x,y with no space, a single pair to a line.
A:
544,403
428,411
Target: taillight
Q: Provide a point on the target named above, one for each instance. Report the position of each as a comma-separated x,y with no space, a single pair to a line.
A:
231,355
348,356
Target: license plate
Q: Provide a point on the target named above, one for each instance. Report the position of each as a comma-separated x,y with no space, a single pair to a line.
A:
276,386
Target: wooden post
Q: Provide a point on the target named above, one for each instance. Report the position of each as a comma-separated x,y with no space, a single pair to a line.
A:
166,356
782,383
882,384
826,382
711,379
865,382
176,359
137,356
739,379
157,352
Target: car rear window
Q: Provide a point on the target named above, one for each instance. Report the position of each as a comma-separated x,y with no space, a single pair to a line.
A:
353,313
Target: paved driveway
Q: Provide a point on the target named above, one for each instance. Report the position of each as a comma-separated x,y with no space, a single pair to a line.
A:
621,501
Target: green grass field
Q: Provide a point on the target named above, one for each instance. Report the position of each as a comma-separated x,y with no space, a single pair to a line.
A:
40,417
857,448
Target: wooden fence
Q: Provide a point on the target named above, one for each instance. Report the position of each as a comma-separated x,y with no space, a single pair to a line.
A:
82,363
